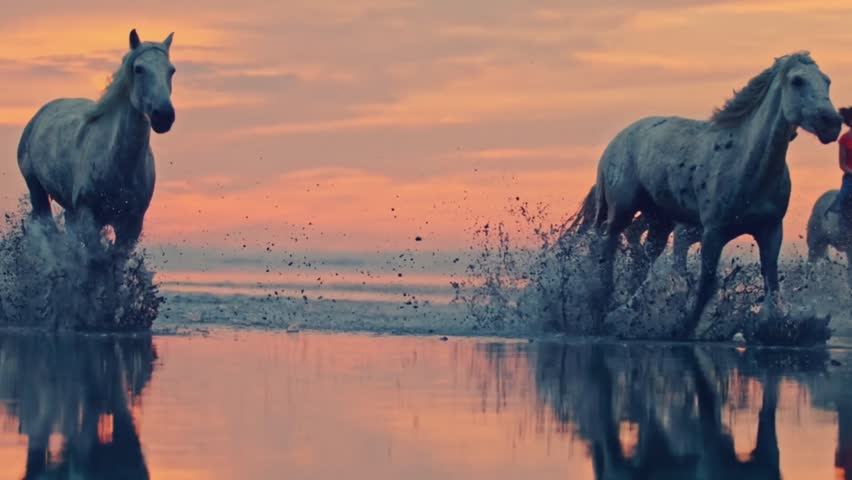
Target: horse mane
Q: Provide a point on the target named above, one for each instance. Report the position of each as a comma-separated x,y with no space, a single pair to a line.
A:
744,102
120,81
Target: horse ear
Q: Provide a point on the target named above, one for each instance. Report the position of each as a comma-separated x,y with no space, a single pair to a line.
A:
168,41
134,39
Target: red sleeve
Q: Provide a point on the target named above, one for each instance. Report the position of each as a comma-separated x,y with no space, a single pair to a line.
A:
846,140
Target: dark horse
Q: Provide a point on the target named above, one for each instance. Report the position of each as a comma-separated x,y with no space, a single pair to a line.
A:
728,175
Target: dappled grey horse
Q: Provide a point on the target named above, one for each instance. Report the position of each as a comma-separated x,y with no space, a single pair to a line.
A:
826,229
727,175
94,158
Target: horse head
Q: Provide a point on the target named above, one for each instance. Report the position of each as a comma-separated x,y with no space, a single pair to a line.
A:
151,74
805,99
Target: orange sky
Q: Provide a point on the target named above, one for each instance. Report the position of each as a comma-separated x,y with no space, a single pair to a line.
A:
359,125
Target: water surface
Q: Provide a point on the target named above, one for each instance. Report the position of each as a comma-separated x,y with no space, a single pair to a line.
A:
248,404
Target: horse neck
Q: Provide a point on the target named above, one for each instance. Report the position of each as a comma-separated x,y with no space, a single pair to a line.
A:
768,133
130,132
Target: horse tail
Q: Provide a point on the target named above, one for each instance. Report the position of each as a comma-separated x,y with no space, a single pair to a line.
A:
24,142
587,215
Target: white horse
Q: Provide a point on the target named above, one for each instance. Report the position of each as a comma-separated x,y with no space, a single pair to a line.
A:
827,229
94,158
728,175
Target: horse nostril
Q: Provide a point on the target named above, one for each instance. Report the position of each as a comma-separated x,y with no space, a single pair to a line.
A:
163,114
829,118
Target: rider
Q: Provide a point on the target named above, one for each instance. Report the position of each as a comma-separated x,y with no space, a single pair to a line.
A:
843,200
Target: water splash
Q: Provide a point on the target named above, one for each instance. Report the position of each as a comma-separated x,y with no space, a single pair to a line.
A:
50,279
553,285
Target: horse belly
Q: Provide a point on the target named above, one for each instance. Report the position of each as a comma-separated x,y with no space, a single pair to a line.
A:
668,156
117,202
669,190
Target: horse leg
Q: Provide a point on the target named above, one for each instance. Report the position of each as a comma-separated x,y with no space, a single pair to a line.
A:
82,223
849,269
817,237
816,250
40,202
655,243
127,233
37,449
769,242
72,222
616,222
636,250
712,242
765,452
684,237
38,198
608,456
680,248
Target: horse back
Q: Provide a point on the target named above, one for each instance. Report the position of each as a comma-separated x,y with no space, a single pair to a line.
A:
59,118
656,159
50,144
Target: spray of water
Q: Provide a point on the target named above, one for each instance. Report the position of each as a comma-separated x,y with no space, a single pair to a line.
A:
554,286
51,279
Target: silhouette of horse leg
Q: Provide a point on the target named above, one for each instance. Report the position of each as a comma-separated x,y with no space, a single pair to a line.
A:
39,199
712,242
843,452
684,237
40,202
765,456
127,233
658,236
817,245
607,455
656,458
82,223
769,242
37,447
635,250
616,222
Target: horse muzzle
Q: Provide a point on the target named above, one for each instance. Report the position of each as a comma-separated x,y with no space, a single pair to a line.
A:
162,119
828,125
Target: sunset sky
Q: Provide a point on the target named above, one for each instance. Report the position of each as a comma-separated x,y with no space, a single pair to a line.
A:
359,125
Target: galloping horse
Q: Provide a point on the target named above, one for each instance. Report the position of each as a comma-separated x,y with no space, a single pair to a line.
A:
684,235
94,158
727,175
826,229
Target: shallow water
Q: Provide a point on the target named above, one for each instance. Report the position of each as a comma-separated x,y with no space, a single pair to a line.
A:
247,404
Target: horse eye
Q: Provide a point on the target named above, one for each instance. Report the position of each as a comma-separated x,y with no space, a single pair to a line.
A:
798,82
138,69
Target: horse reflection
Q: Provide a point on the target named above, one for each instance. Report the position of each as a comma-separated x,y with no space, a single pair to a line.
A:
831,393
674,395
81,388
843,454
